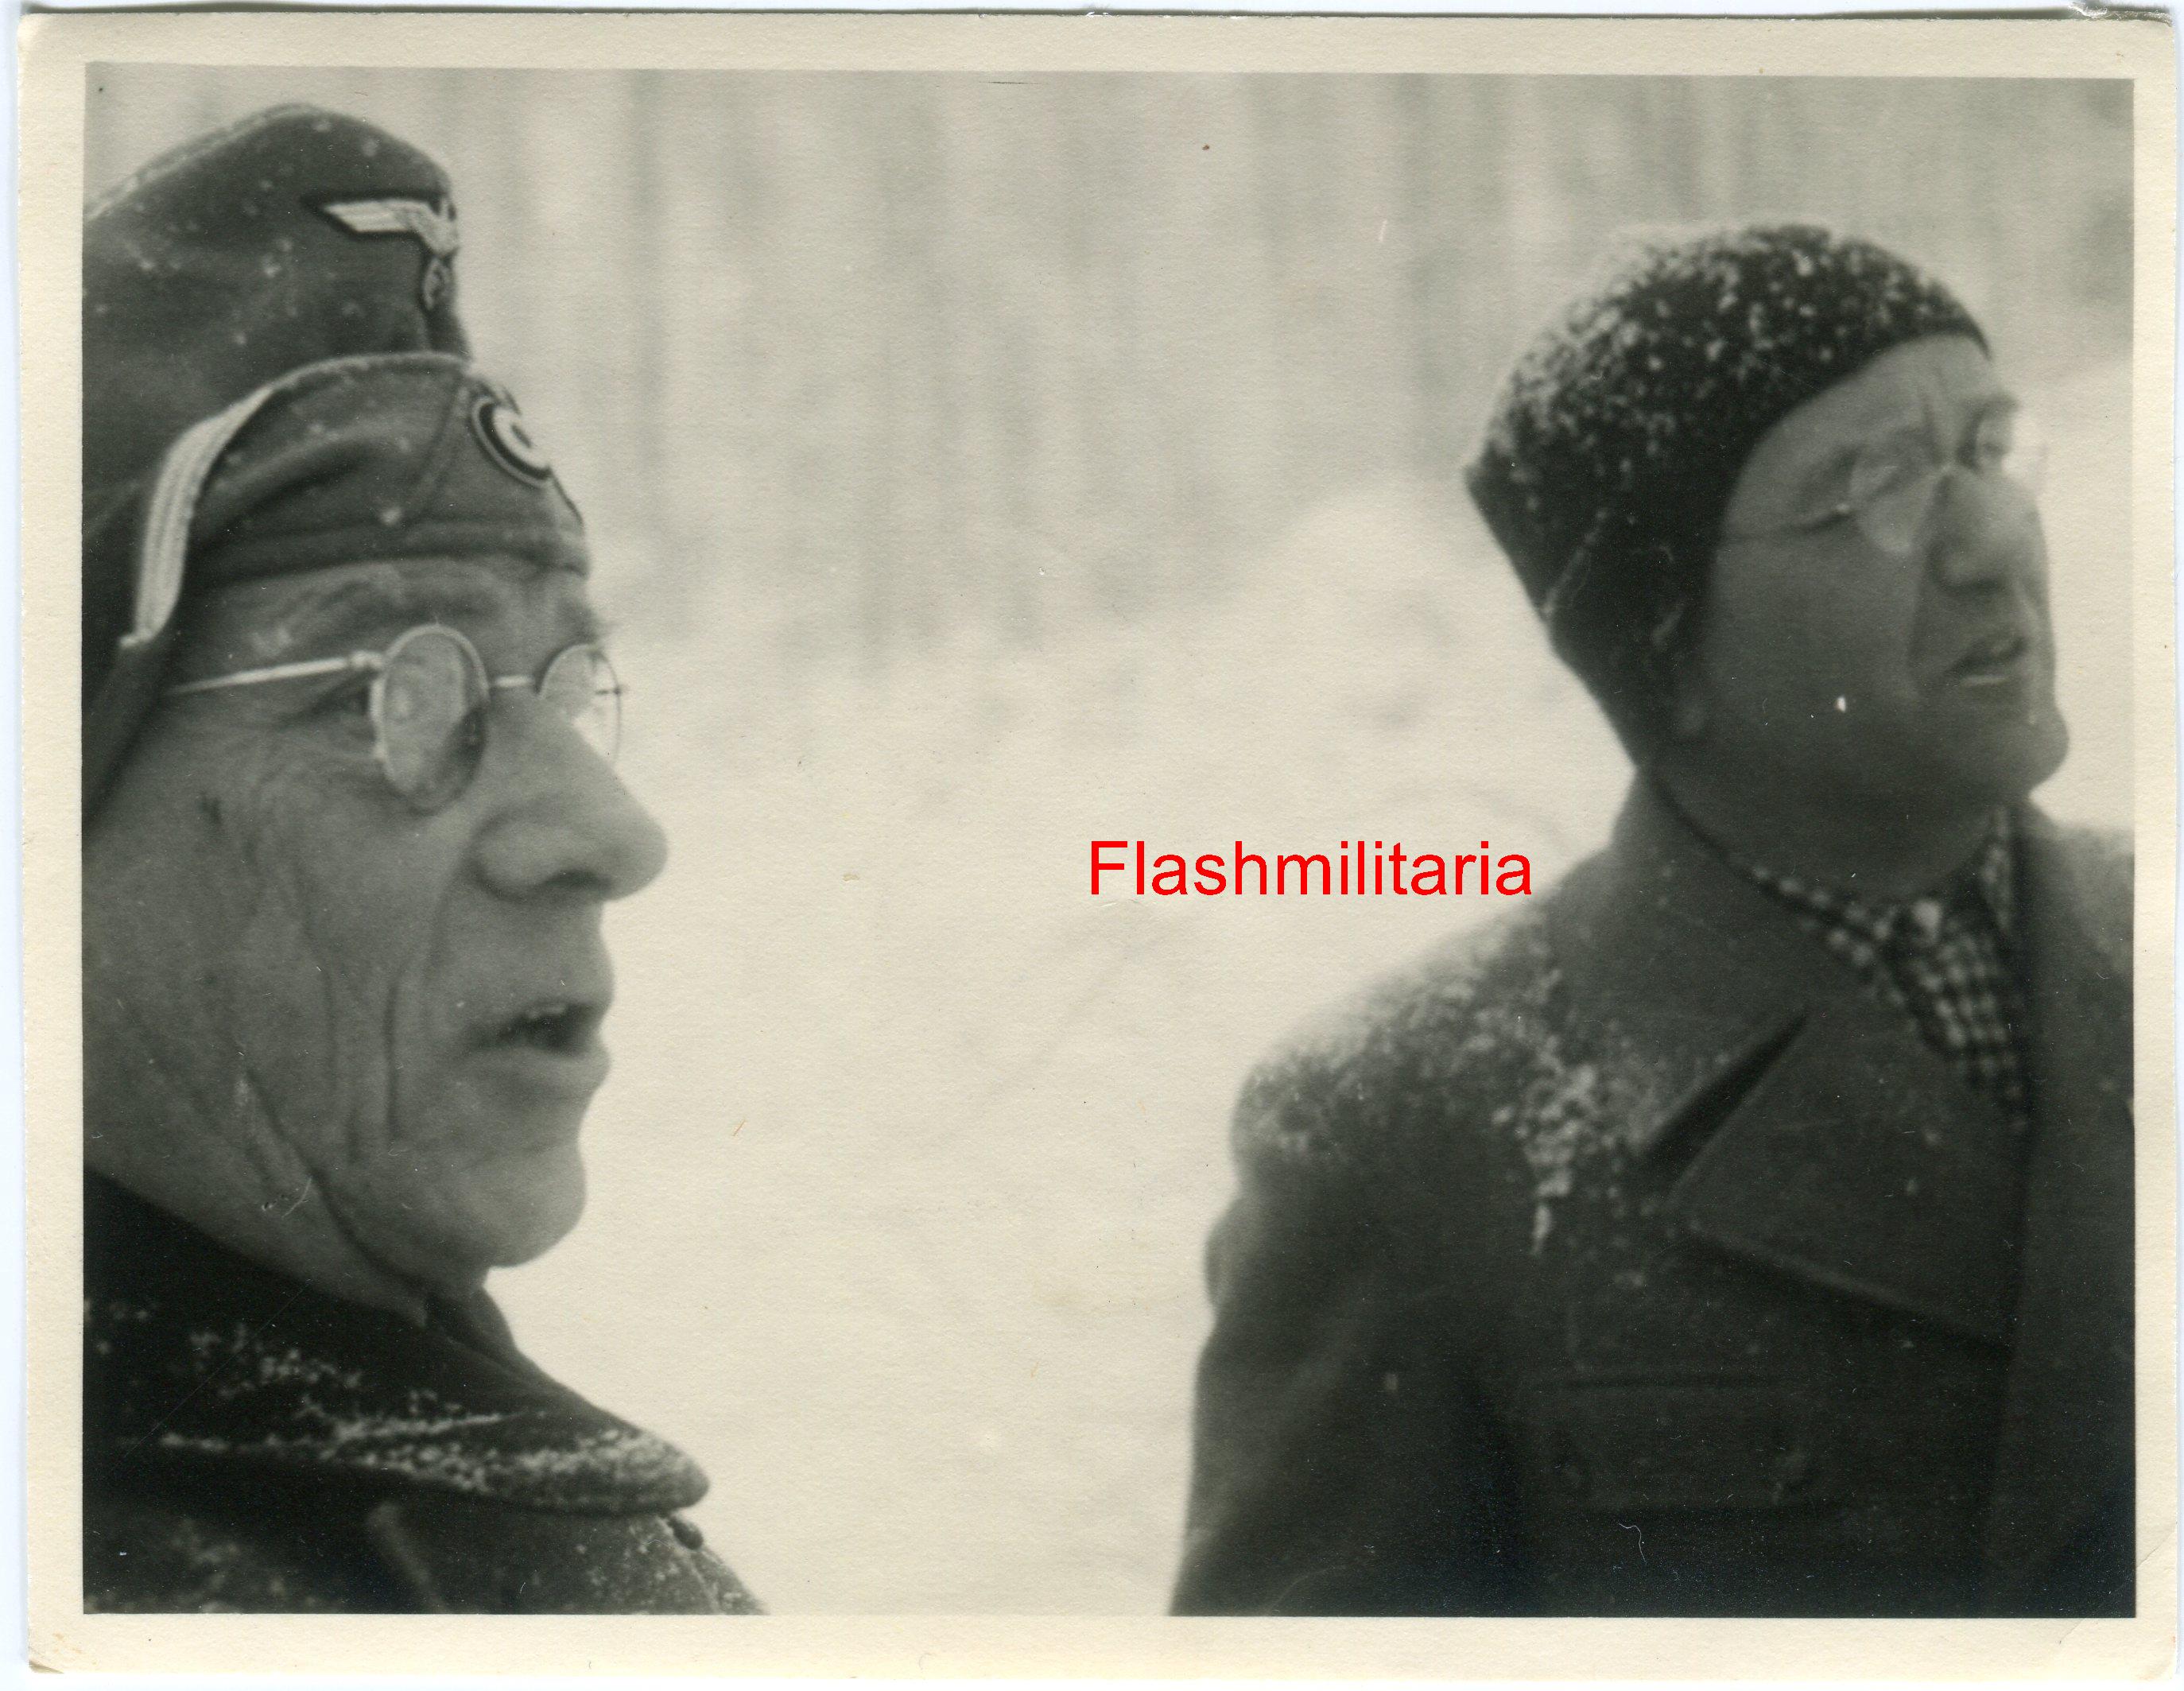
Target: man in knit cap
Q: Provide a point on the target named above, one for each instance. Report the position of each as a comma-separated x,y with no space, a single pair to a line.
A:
350,823
1744,1228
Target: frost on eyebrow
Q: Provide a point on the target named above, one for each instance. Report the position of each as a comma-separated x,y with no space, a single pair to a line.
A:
363,606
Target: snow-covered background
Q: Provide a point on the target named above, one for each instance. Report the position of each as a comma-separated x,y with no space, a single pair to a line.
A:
982,467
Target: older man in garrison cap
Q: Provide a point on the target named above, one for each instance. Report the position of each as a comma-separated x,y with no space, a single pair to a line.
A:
350,823
1744,1228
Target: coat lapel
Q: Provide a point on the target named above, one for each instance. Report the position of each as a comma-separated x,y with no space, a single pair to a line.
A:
2066,1439
1859,1162
1832,1146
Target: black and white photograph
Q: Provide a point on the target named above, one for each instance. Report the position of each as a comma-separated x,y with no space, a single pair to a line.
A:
1228,839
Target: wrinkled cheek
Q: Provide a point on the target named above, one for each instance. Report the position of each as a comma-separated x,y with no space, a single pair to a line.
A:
410,1050
314,1013
288,1008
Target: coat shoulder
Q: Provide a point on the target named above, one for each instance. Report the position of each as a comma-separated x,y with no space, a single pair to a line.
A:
251,1443
168,1554
469,1556
235,1538
1471,1021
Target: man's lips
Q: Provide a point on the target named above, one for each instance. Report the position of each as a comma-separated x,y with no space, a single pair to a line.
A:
1992,661
560,1026
550,1039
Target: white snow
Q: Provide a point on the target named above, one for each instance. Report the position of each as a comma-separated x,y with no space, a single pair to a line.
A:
946,1133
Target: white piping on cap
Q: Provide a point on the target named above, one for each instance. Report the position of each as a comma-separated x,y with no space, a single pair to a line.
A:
165,548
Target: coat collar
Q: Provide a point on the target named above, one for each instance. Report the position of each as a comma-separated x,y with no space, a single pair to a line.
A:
1816,1134
192,1352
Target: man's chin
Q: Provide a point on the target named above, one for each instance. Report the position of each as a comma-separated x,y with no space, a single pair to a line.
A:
476,1219
527,1212
2022,761
2058,752
1976,766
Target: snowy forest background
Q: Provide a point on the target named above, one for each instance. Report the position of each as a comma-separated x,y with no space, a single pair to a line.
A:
981,464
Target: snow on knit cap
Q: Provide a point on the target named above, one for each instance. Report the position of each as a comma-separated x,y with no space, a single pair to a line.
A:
349,461
1616,440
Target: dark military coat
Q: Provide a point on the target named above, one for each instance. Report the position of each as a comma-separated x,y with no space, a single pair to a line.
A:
1635,1257
251,1443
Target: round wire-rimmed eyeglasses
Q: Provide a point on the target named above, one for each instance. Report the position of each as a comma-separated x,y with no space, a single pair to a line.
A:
430,704
1895,482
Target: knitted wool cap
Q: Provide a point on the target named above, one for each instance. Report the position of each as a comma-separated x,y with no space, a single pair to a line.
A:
1614,445
297,240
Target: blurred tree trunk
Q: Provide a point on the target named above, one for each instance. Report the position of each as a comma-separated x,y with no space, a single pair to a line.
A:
837,364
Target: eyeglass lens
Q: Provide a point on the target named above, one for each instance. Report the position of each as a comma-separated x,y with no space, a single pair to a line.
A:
429,708
431,704
1896,484
581,686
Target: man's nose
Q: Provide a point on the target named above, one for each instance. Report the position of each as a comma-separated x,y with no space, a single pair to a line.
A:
1986,532
562,822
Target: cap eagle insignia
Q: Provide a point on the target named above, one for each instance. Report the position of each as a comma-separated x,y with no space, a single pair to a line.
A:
429,222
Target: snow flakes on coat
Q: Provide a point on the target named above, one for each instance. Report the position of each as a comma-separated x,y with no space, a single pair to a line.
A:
250,1442
1480,1024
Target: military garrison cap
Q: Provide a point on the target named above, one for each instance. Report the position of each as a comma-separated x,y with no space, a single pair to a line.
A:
275,380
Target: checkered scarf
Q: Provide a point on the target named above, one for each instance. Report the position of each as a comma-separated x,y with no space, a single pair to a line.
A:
1945,958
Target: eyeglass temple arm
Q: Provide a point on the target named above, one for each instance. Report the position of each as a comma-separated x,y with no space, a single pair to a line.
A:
355,662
